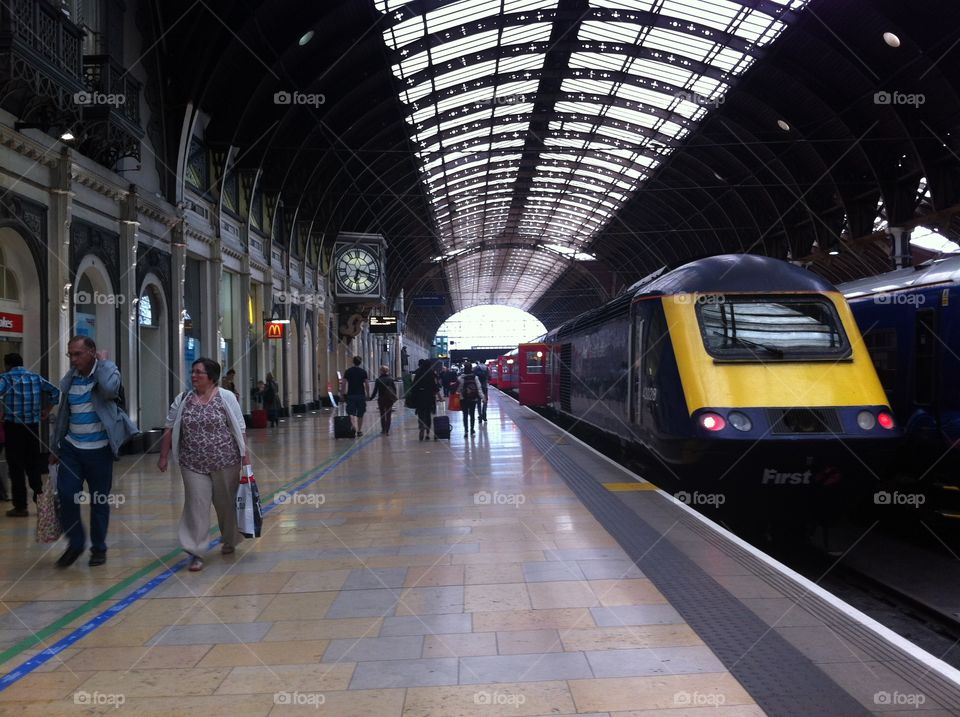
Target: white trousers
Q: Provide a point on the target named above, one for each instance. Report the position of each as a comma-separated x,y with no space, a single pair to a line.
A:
200,490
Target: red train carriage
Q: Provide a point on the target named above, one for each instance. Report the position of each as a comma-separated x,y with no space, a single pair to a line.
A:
533,378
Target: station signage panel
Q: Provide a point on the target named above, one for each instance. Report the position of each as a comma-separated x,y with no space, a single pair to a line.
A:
430,300
383,324
11,323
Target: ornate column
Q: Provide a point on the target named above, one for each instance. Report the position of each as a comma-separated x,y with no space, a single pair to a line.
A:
243,377
178,276
128,351
60,284
214,315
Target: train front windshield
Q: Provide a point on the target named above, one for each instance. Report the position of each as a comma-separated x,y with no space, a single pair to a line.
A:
739,328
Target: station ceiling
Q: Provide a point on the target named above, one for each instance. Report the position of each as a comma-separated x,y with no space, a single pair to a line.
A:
545,154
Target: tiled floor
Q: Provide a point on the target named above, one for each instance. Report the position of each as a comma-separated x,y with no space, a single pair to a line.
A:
413,579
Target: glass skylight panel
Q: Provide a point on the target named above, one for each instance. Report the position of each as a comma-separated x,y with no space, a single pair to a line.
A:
594,87
562,142
521,63
465,74
523,34
630,136
683,43
460,13
638,118
614,32
460,48
624,4
662,71
634,93
717,14
597,61
731,61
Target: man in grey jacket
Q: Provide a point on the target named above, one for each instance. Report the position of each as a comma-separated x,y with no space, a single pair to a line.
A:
89,431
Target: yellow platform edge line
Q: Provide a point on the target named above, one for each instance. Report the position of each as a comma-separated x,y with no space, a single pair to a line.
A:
625,487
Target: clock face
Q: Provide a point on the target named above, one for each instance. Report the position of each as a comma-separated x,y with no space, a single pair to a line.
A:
358,271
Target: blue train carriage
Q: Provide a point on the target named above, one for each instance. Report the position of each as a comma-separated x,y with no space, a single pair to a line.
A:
911,327
733,371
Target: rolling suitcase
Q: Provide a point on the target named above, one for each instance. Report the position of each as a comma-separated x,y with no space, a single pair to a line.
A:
258,418
441,423
342,428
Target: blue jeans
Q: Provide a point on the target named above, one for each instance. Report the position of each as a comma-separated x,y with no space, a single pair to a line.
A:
95,467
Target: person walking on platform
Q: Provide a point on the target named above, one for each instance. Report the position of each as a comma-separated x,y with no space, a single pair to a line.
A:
469,388
424,391
271,400
26,400
355,387
205,432
86,439
385,391
480,371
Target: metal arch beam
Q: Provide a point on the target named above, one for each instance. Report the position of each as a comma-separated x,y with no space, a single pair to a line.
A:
500,52
642,18
617,144
551,99
554,75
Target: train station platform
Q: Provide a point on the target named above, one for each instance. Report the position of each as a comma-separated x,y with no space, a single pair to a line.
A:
515,571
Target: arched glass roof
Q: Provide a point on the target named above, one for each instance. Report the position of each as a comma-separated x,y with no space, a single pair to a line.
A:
534,121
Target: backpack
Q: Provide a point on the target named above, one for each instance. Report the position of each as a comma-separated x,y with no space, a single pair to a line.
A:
387,388
470,390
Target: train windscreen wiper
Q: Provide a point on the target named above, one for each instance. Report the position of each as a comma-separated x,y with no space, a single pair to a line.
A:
745,342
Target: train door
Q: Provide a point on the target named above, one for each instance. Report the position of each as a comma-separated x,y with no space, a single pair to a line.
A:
925,360
652,338
636,369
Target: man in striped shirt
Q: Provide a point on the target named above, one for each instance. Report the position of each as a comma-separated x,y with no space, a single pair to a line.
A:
26,401
88,434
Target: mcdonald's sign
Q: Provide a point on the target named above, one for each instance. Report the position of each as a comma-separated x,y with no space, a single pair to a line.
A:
275,329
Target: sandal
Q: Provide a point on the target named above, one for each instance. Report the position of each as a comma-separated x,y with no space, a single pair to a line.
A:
196,565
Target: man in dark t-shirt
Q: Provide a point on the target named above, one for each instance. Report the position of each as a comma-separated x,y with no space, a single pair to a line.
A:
355,387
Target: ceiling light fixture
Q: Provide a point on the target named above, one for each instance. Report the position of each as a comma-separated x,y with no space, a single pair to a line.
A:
305,38
891,39
782,124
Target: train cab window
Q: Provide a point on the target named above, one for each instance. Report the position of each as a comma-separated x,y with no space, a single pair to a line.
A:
534,362
755,328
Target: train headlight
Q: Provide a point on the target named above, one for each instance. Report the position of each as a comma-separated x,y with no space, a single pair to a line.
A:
866,421
713,422
740,421
885,420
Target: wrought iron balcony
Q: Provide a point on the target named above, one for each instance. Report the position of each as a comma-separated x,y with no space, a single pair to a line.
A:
46,81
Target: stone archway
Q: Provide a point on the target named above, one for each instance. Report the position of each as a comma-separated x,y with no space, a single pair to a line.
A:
154,372
20,300
95,305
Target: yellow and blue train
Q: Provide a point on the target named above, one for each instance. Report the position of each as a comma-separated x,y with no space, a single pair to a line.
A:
734,368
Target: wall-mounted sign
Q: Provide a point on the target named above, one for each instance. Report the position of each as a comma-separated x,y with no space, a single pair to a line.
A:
11,323
383,324
275,329
429,300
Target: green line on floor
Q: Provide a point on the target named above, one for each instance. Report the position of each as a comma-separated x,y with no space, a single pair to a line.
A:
43,633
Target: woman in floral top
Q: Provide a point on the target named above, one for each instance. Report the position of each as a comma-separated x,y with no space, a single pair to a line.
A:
205,430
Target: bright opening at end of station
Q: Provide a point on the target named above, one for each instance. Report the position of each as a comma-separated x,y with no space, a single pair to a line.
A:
490,325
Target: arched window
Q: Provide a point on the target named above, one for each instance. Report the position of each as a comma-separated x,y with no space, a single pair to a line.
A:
9,288
146,308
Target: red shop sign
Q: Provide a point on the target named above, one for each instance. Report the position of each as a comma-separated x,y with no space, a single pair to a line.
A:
275,330
11,323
